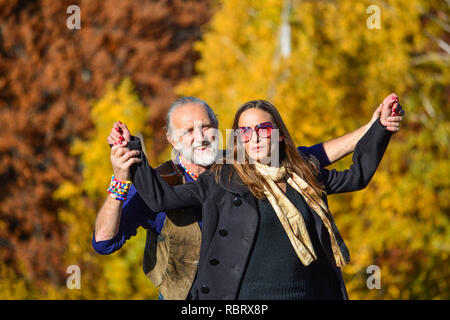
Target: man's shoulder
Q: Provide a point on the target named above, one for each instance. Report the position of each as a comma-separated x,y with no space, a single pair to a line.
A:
166,167
170,173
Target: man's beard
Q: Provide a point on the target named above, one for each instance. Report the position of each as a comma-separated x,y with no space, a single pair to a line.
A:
203,158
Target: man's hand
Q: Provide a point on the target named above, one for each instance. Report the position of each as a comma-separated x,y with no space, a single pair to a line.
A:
391,113
119,133
122,159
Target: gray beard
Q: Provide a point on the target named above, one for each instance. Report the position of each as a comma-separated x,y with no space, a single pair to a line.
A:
205,159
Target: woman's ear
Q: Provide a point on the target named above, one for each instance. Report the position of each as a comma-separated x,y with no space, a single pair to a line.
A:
280,138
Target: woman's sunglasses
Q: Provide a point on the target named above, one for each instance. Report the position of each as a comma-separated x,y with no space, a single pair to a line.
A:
263,130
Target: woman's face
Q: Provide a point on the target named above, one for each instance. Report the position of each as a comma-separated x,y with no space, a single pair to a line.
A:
258,147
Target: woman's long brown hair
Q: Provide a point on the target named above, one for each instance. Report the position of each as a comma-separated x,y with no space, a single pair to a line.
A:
289,157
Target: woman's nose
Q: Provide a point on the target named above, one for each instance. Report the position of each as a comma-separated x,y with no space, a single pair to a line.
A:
255,137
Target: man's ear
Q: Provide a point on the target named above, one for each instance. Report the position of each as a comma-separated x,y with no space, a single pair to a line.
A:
171,141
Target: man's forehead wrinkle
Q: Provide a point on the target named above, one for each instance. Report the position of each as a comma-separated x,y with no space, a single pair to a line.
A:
188,116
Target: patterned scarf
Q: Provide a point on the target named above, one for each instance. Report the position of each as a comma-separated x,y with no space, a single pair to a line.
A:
292,220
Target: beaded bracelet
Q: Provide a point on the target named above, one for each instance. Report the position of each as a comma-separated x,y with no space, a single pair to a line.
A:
119,189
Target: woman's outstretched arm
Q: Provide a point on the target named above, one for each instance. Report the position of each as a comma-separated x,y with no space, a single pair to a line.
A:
367,155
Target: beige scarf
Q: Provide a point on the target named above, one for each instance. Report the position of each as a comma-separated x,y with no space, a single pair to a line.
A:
291,219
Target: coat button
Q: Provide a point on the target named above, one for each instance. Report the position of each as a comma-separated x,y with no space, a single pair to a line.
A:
204,289
223,232
214,262
237,201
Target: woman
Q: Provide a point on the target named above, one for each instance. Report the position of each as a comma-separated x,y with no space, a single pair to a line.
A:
267,232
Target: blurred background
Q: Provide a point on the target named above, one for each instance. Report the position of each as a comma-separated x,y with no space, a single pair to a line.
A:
326,65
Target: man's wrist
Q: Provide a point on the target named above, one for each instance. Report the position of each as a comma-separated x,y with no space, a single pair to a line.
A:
362,131
118,188
122,177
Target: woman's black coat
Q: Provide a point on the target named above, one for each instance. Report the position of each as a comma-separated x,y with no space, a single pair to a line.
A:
230,217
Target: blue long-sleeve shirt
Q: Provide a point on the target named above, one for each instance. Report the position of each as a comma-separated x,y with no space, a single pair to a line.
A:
135,212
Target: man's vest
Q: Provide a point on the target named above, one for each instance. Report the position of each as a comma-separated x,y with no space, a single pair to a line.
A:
171,258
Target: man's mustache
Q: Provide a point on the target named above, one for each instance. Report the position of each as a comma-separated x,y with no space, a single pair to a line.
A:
195,145
201,144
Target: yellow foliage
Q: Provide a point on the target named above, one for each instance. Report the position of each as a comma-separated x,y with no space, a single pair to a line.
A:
119,275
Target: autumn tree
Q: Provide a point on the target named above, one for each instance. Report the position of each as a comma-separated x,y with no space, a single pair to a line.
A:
48,77
120,275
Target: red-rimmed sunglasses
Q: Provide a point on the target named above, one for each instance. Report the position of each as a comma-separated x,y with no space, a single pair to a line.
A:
263,130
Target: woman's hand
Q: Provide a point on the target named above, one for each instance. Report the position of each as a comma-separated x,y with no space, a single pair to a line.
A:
119,133
122,159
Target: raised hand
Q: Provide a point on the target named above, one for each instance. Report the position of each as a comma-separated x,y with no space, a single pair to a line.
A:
391,114
122,159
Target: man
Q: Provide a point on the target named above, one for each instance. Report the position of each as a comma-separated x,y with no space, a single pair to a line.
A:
173,238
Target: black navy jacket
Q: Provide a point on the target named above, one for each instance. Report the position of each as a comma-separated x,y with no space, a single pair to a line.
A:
230,216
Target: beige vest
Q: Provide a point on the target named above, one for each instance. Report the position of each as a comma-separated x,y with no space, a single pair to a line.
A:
171,258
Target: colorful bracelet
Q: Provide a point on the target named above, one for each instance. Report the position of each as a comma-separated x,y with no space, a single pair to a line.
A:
119,189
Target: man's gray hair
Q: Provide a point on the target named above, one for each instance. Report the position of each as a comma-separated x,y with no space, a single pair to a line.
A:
189,100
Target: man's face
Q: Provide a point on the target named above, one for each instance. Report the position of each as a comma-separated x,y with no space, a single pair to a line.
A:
194,135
